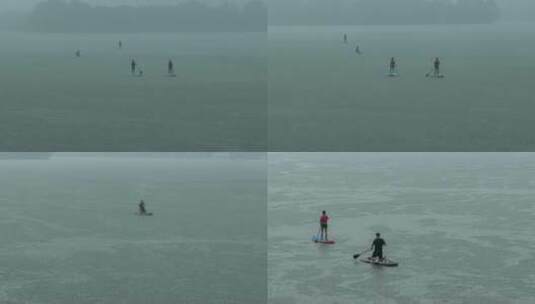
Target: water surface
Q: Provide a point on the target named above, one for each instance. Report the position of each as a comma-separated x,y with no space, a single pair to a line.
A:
53,101
325,97
460,226
69,232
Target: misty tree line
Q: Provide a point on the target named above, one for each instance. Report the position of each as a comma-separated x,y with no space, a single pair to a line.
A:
77,16
354,12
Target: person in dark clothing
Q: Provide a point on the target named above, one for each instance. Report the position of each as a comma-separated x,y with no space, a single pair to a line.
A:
133,65
357,50
120,44
345,38
377,247
393,65
142,209
78,53
170,67
436,67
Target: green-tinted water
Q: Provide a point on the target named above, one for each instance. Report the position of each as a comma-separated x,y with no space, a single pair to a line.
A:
325,97
460,226
69,232
53,101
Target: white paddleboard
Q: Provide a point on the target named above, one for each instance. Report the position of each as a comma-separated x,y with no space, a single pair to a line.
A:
384,262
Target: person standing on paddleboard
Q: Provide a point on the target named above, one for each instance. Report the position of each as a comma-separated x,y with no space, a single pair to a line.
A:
142,210
133,65
436,67
377,247
345,38
170,67
392,66
324,219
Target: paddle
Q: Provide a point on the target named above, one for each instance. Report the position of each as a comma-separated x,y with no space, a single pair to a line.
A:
356,256
316,237
429,73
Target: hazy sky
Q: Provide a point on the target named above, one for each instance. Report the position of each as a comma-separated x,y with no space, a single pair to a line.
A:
27,4
6,5
511,8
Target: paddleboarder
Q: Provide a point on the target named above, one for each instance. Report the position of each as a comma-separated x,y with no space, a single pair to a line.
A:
142,210
133,65
324,219
377,247
170,67
393,65
436,67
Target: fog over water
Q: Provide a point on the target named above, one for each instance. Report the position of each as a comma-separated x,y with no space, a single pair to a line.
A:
266,75
70,231
28,4
512,10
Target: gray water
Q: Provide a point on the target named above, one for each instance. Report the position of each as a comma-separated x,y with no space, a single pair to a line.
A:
325,97
52,101
459,225
69,232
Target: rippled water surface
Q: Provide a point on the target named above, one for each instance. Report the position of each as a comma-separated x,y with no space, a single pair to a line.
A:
325,97
460,226
53,101
69,232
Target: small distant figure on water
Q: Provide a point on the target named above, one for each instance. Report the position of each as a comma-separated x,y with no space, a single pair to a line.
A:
357,50
170,67
324,220
393,66
377,247
142,210
120,44
345,38
436,67
435,73
78,53
133,66
140,74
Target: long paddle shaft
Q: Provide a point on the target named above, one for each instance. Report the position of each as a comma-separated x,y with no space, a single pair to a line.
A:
356,256
317,236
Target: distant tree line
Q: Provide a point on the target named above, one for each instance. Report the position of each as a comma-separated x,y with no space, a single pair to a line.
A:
369,12
12,20
77,16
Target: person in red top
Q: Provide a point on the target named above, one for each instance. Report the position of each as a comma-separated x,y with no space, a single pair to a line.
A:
324,219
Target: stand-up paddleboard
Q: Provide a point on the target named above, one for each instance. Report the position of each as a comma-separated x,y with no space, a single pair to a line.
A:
326,242
171,75
439,76
145,214
384,262
392,74
317,240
